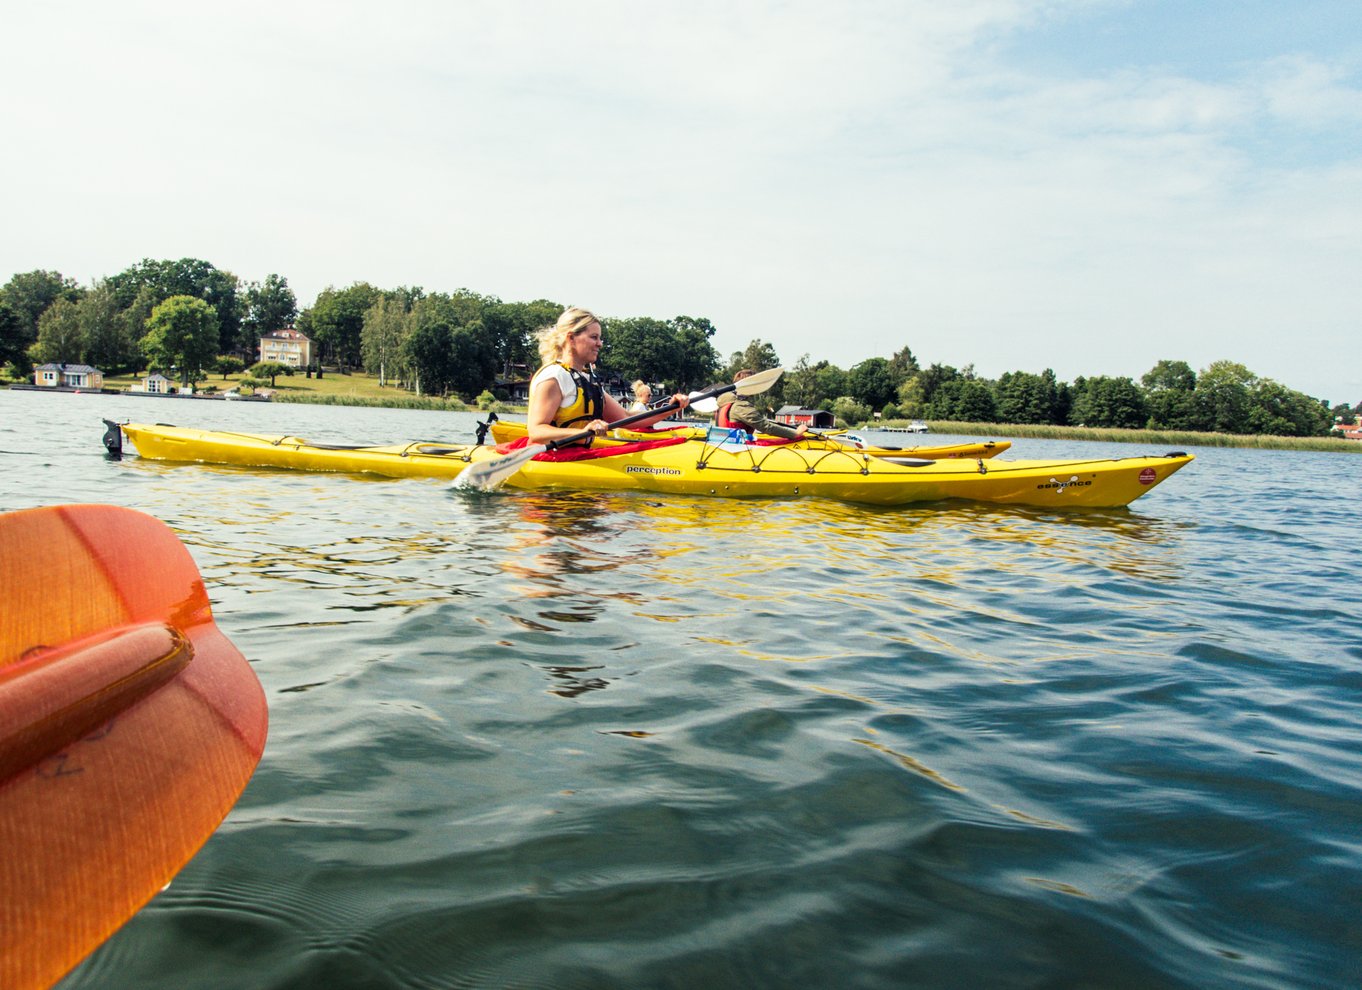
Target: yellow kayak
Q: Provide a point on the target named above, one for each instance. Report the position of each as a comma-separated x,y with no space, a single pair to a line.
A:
679,466
509,431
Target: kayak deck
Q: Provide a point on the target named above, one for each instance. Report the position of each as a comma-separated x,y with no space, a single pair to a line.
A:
509,431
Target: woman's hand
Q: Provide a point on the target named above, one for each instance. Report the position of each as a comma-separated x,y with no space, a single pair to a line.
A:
681,399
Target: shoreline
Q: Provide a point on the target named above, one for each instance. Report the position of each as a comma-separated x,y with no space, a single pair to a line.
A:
1009,430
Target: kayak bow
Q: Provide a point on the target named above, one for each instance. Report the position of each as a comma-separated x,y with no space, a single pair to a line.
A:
129,725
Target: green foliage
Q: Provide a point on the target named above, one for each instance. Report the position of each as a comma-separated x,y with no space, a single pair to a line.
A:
59,338
674,351
1222,397
109,342
25,297
464,343
228,364
873,383
904,366
386,326
931,380
963,398
270,370
757,356
336,323
1108,402
161,280
849,411
268,307
182,332
1170,390
1022,397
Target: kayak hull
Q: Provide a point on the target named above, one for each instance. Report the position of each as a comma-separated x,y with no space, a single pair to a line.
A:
688,468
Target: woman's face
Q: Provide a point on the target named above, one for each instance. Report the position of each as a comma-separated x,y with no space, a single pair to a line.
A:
584,345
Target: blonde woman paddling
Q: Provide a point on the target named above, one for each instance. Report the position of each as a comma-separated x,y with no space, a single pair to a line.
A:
565,398
642,396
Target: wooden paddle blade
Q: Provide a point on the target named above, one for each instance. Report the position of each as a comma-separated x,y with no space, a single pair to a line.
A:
129,725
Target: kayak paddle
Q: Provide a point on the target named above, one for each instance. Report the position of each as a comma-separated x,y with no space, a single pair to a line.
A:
129,725
490,474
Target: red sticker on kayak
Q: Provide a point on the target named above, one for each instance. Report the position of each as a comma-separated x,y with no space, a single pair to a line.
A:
1148,477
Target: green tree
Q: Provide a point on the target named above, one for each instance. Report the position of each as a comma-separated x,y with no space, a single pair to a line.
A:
59,336
911,404
1222,397
697,362
849,411
182,333
931,380
10,336
336,322
676,351
873,382
758,355
109,343
134,320
268,306
445,354
270,370
1170,390
1022,397
515,328
904,366
1116,403
429,352
27,296
228,364
965,399
385,327
801,384
1280,411
639,347
186,277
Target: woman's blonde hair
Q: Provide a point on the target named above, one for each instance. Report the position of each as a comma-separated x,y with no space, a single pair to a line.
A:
640,387
553,341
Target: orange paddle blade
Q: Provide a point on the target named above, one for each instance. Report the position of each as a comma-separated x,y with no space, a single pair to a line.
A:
129,725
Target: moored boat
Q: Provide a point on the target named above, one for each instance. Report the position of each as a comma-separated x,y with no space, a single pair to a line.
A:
678,466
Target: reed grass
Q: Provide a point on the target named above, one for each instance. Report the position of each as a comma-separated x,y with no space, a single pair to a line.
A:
390,401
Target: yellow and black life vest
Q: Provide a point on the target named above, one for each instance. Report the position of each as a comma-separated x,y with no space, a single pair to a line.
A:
589,404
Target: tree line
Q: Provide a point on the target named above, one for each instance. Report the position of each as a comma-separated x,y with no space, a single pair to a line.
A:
192,318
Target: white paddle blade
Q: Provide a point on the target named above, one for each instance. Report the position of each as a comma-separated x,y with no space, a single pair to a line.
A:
490,474
709,404
758,383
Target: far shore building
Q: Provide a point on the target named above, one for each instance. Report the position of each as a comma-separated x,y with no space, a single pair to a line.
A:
817,419
68,376
154,384
288,346
1351,431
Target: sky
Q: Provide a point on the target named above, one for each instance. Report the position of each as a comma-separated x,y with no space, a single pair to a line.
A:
1089,186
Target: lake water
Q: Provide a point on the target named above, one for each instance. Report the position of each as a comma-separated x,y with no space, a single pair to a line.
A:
597,740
